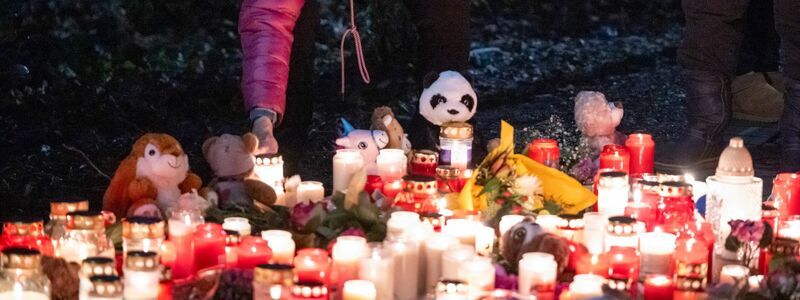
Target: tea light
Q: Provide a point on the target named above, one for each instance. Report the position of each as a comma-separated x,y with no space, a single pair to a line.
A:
281,244
484,240
252,251
346,162
612,193
453,258
537,273
549,223
359,290
347,252
238,224
142,273
181,226
544,151
474,272
103,287
733,274
615,157
435,247
310,191
391,164
406,268
657,249
378,267
462,229
94,266
586,286
641,149
594,231
269,169
209,246
312,265
455,142
85,236
508,221
658,287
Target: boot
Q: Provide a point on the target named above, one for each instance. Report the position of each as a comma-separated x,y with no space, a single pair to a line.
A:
755,99
708,108
790,127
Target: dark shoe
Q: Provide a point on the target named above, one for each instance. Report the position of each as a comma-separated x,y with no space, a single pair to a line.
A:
755,99
708,109
790,128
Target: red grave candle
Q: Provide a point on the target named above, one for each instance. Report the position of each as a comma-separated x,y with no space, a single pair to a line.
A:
641,148
641,212
615,157
209,245
544,151
420,194
26,232
252,251
658,287
786,194
392,187
676,207
592,264
623,266
312,265
424,163
168,254
374,182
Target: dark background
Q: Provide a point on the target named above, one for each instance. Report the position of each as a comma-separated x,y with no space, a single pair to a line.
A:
80,80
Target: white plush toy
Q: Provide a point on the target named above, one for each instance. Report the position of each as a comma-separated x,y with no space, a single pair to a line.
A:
368,142
447,98
597,119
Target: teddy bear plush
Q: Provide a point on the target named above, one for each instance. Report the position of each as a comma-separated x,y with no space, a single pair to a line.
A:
383,119
597,119
234,186
151,178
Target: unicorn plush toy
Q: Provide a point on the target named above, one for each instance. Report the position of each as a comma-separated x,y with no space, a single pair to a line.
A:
368,142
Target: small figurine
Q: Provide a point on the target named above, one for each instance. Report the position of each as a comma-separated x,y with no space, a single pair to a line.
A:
232,159
152,177
368,142
597,119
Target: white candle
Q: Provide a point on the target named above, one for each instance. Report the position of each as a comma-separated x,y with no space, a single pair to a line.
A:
435,247
378,267
346,163
478,273
140,284
400,222
347,252
23,295
537,273
790,229
586,286
755,281
452,259
281,244
420,233
462,229
269,169
310,191
612,193
359,290
391,164
733,274
406,268
238,224
656,250
594,232
549,223
508,221
459,157
484,240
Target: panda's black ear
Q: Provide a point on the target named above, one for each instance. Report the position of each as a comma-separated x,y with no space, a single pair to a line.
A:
429,79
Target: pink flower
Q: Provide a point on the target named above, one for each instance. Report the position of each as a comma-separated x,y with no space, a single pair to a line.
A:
747,230
306,216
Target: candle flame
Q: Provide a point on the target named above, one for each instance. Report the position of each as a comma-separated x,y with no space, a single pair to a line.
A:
659,280
688,177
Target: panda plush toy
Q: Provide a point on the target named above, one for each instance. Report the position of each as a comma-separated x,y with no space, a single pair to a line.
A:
446,97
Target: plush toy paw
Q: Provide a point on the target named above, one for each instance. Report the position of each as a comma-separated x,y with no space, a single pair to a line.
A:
141,188
260,192
192,182
147,209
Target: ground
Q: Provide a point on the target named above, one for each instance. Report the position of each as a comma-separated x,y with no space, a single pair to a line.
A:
81,81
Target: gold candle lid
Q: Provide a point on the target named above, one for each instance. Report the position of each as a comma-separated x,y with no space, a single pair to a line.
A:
24,226
425,157
142,261
20,258
456,130
695,284
448,171
613,179
451,287
232,238
279,274
675,189
97,266
269,160
62,206
106,286
622,225
85,220
419,184
309,289
570,222
141,227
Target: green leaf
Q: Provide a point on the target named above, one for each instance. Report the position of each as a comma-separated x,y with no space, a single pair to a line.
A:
732,244
767,237
492,186
326,232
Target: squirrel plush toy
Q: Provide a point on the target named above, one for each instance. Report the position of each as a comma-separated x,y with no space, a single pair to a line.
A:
151,179
232,159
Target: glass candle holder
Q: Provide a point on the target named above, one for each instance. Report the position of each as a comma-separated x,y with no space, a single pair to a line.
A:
474,271
675,208
435,246
733,274
273,282
623,269
622,232
251,252
142,234
569,226
238,224
209,246
731,198
612,193
615,157
59,208
94,266
377,266
105,287
309,291
232,241
21,277
451,289
549,223
462,229
484,240
691,264
401,222
586,286
657,250
449,179
26,232
282,245
181,225
269,169
420,194
790,228
641,149
595,226
347,252
545,151
392,164
312,265
455,144
424,163
786,194
659,287
453,258
406,267
359,290
537,274
142,274
589,263
310,191
85,237
346,162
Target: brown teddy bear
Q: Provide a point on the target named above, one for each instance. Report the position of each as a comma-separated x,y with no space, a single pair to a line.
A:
232,159
527,236
383,119
151,179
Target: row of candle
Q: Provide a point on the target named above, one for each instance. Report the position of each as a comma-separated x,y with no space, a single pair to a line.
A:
634,157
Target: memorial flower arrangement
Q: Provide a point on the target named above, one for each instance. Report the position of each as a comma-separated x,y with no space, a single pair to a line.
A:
747,237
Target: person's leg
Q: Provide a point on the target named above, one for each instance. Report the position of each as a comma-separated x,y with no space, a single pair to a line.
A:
292,134
708,56
443,28
787,23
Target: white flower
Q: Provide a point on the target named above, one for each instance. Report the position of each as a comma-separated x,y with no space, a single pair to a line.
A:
527,186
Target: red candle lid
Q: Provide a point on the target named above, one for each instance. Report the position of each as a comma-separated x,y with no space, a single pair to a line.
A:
544,143
615,149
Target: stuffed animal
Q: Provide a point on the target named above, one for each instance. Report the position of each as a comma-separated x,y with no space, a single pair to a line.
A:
527,236
368,142
152,177
597,119
447,97
383,119
232,159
